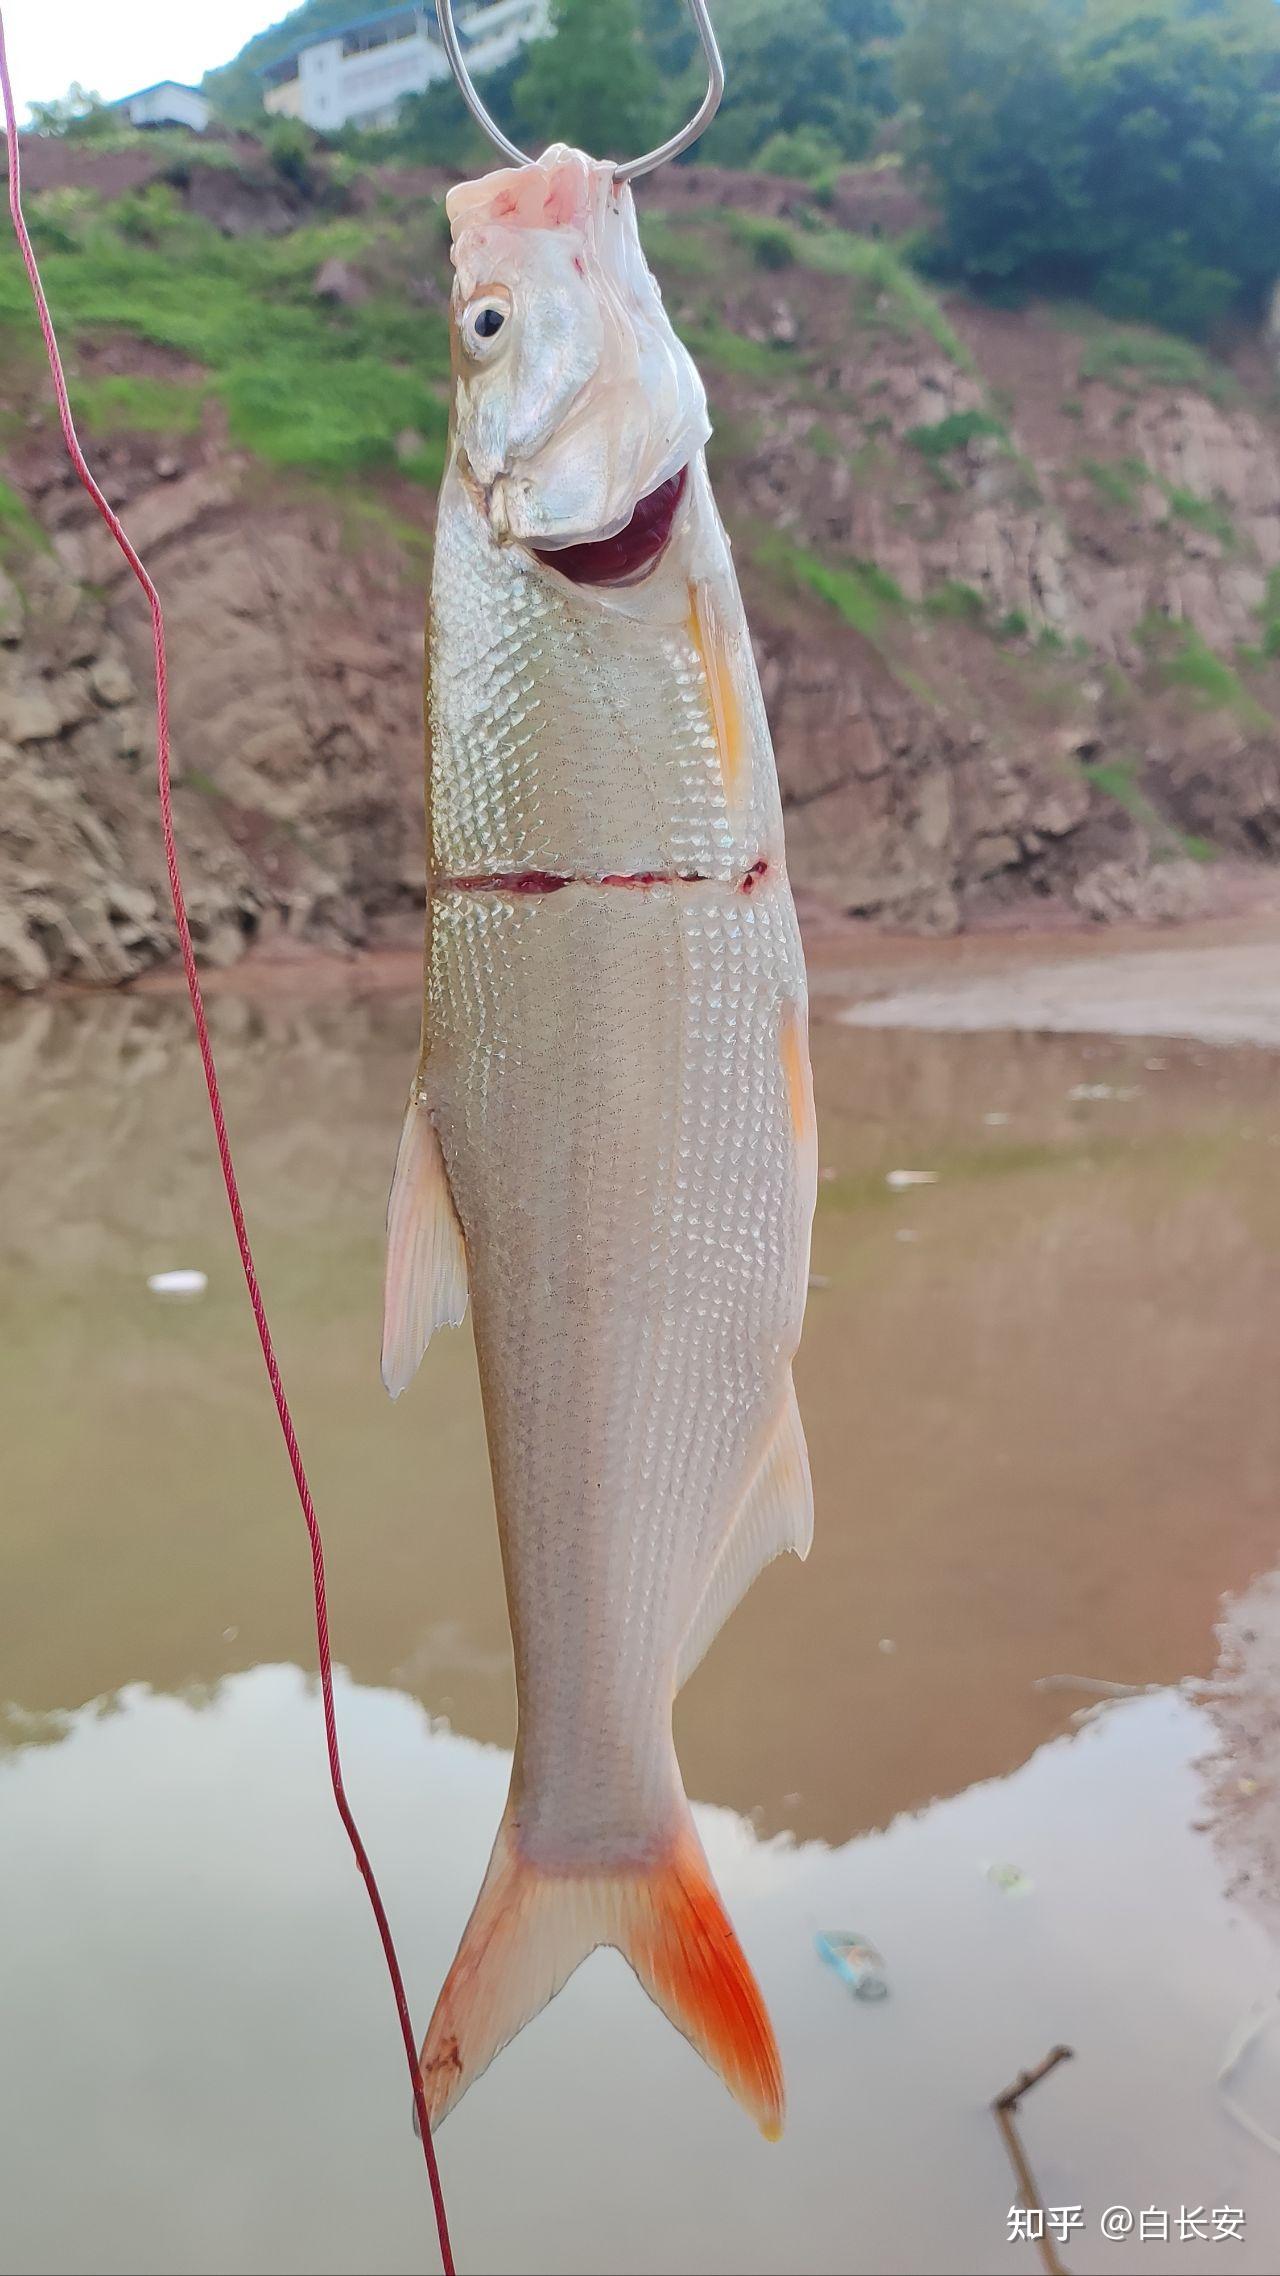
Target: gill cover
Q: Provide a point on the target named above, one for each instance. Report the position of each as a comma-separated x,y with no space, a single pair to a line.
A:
578,400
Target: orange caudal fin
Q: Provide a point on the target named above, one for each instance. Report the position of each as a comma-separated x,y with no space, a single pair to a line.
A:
530,1930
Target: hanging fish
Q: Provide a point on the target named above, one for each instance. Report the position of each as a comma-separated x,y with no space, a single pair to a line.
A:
610,1138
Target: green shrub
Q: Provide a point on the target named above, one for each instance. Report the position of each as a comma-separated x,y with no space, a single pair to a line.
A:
1183,658
1203,513
1152,359
858,591
290,145
805,154
769,243
1116,480
953,433
958,600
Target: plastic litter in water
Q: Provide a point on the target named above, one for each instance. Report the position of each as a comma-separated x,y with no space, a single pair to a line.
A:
182,1283
855,1960
1010,1880
1122,1091
898,1181
996,1121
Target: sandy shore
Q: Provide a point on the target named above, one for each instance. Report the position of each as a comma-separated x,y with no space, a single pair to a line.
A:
1219,995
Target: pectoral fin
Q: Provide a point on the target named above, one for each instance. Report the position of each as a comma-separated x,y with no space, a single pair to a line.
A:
776,1514
426,1283
709,634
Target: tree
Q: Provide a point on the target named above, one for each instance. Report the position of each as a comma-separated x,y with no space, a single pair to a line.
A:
591,82
1125,149
1180,115
80,115
995,126
799,67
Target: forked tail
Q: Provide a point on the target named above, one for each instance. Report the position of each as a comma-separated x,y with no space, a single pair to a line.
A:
531,1929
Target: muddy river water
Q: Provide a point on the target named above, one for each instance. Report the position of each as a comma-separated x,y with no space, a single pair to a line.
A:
1042,1403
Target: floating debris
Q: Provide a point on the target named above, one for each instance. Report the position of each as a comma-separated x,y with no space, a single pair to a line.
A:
1121,1091
1097,1683
819,1280
996,1121
855,1960
906,1233
887,1644
1004,2110
181,1283
1238,2045
1010,1880
898,1181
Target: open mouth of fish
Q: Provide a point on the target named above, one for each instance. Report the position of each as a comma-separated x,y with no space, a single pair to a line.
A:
632,551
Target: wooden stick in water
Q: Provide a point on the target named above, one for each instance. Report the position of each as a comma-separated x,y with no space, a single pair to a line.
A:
1004,2107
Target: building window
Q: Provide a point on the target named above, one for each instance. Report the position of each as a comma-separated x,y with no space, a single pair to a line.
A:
379,35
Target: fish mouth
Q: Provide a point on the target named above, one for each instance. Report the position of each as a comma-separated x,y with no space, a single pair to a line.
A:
631,552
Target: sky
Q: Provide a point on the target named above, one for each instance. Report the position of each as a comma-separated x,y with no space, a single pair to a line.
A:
113,46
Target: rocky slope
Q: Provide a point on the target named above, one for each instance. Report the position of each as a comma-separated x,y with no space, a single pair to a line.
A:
1014,581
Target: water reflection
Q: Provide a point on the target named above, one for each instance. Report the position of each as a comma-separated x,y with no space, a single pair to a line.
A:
230,2097
1045,1438
1038,1394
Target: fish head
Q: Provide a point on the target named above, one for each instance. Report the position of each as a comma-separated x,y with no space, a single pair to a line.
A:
574,402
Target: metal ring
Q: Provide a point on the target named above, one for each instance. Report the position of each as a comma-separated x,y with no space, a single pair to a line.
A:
634,167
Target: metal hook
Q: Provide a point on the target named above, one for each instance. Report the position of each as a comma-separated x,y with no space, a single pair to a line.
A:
634,167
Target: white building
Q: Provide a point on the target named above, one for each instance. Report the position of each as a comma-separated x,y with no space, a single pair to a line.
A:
168,103
358,73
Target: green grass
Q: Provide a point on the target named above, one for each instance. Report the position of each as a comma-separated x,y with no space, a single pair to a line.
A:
1270,615
822,442
20,532
123,403
712,342
770,243
670,245
858,591
957,600
1120,481
1117,481
306,386
953,433
1202,513
1134,356
1119,779
1183,658
902,296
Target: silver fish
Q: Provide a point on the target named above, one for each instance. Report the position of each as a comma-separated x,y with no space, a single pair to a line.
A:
610,1140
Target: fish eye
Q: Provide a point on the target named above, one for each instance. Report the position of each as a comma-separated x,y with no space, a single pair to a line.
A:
483,323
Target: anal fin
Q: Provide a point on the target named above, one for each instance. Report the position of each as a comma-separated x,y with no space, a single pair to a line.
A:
426,1279
776,1514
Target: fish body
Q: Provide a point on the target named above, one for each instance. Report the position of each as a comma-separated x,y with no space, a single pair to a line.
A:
610,1140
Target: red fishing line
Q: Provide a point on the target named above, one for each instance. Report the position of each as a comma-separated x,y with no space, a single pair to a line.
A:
113,523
